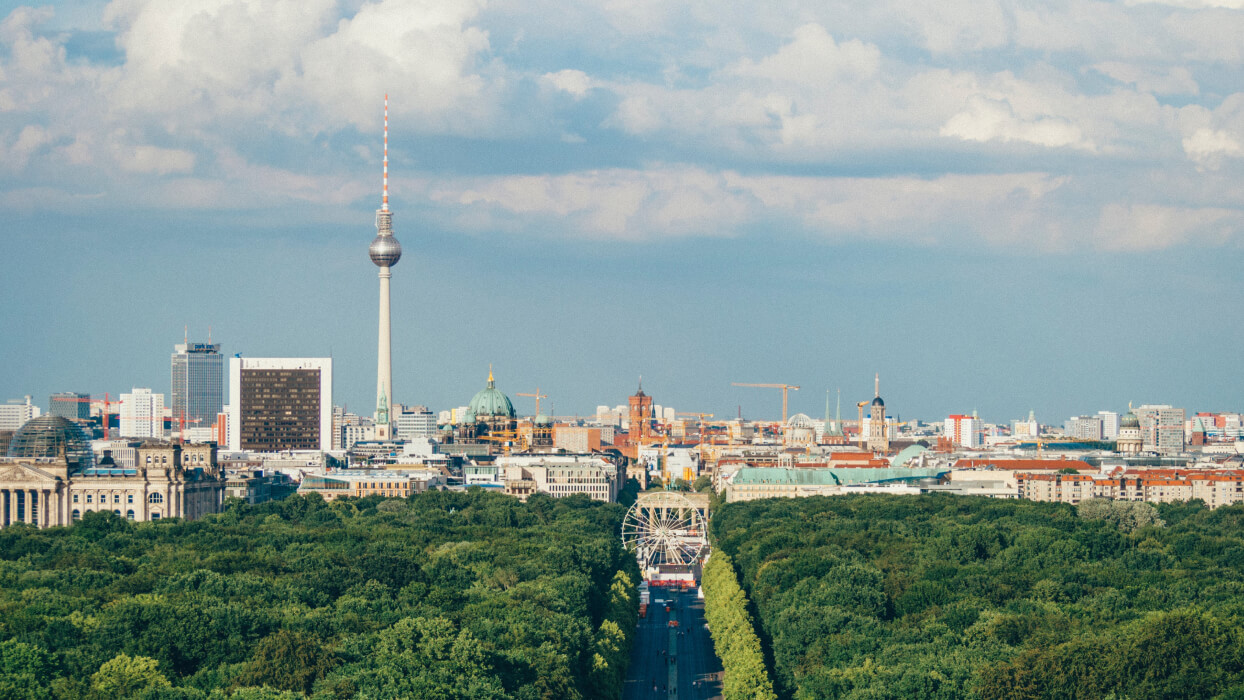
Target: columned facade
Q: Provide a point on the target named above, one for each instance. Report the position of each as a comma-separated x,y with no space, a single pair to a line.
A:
170,481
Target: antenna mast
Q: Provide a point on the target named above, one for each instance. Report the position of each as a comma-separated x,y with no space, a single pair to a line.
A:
385,203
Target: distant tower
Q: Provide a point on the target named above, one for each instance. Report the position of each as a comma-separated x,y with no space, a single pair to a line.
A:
640,413
877,438
385,252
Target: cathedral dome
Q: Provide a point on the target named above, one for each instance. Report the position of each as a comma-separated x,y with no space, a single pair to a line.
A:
53,436
490,402
1129,420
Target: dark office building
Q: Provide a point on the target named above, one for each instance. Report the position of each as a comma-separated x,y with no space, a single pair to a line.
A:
70,405
279,404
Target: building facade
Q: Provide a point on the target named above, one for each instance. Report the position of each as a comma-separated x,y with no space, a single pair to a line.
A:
142,414
70,405
280,404
1084,428
962,430
198,374
1161,428
181,481
15,412
419,422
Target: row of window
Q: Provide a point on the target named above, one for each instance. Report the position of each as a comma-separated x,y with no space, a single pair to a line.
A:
116,498
129,514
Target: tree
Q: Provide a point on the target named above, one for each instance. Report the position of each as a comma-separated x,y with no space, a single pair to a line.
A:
126,676
703,483
288,660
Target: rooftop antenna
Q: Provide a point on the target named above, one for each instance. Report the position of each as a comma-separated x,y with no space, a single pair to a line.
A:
384,206
185,334
209,335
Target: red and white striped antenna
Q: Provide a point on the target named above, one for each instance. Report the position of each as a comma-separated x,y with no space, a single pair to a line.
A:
385,204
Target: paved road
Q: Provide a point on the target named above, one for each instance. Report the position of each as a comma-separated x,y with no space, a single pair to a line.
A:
697,669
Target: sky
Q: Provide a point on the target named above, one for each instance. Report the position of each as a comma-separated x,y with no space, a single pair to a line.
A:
997,206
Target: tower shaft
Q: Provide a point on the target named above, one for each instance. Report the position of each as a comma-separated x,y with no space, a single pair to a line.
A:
384,363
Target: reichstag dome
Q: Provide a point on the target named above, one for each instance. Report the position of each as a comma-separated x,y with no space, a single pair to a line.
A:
52,436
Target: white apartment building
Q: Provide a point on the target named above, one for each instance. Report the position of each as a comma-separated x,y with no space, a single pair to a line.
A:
15,413
142,414
1109,424
1161,428
419,422
1084,428
962,430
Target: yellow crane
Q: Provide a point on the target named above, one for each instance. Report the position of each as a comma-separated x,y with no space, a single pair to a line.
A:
784,387
537,396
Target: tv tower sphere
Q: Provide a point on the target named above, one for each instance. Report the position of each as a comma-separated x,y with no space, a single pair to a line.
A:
384,250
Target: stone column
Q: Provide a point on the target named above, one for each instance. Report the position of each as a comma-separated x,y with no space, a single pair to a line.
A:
29,500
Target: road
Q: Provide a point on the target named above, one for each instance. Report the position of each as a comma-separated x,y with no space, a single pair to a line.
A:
696,675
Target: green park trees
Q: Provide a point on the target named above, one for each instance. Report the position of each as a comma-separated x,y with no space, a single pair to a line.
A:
730,624
955,597
446,595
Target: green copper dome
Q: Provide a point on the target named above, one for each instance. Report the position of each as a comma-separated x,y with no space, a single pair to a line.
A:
1129,420
490,402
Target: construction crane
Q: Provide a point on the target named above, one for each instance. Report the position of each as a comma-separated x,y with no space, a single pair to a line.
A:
784,387
537,396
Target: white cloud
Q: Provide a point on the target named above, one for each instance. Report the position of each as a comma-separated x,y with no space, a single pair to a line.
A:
574,82
814,58
995,120
1207,147
675,201
1145,227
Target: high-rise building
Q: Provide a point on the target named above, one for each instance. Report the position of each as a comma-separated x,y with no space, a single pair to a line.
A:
278,404
1109,424
1161,428
384,252
15,412
142,414
419,422
1084,428
70,405
964,431
198,383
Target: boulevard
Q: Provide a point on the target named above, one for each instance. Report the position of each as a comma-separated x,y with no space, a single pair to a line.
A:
696,671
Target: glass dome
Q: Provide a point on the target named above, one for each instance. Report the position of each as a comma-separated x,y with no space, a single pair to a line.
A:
50,436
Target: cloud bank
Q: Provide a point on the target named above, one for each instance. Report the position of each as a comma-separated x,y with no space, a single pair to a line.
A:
1079,126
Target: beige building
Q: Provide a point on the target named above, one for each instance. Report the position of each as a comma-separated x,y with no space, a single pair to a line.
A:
1216,488
559,477
169,481
357,483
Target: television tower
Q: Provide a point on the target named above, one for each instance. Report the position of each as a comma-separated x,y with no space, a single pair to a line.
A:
385,252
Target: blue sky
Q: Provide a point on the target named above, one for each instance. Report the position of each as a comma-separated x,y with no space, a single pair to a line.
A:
999,206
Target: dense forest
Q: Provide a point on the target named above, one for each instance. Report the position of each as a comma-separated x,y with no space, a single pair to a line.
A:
443,595
960,597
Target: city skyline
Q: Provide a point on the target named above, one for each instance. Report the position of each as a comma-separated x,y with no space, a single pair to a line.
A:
994,210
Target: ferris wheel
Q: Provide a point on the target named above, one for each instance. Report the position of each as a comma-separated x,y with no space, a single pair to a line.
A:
664,527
